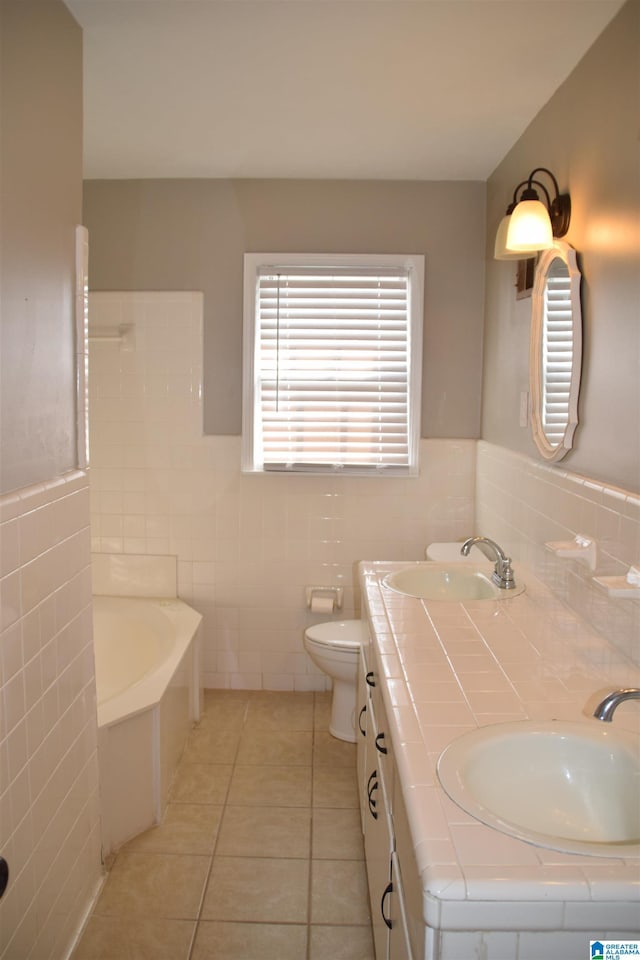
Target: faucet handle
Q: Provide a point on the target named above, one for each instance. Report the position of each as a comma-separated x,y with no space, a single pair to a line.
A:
507,571
503,574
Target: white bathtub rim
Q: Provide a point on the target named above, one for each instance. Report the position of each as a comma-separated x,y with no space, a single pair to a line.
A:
147,692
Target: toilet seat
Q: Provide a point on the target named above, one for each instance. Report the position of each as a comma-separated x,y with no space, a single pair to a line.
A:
345,635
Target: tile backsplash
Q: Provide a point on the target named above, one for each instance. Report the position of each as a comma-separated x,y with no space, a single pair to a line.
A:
49,807
247,544
524,504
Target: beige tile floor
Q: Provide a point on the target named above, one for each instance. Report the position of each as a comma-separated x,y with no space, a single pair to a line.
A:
259,855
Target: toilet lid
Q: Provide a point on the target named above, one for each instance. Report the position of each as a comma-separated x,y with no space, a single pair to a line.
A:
344,634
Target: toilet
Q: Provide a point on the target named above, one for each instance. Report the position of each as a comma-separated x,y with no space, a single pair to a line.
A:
334,648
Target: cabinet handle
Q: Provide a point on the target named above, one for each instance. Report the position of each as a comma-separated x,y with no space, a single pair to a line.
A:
369,677
380,749
388,890
371,789
364,710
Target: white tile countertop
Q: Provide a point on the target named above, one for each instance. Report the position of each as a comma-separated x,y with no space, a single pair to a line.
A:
449,667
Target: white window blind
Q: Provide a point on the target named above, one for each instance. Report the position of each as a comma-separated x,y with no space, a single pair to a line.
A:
557,354
336,365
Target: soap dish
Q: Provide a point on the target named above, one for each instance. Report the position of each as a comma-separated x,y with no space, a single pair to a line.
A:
580,548
627,586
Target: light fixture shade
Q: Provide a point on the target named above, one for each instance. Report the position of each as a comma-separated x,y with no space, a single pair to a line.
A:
529,228
500,250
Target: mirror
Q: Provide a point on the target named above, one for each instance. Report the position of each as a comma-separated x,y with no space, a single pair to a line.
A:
555,356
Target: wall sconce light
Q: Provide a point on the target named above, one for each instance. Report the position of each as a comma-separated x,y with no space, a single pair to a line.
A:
528,225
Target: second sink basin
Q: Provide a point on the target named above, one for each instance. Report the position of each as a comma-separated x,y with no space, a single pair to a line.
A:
573,787
430,580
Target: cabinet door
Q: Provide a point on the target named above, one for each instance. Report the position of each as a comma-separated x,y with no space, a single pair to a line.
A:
377,845
379,744
363,710
399,943
411,883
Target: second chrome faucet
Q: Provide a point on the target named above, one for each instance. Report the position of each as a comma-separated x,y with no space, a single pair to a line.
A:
606,709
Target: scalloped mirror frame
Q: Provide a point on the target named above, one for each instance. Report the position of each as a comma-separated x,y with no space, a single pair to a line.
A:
564,252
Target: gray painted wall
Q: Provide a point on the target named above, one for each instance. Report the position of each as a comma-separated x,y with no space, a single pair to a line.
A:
192,234
41,199
588,135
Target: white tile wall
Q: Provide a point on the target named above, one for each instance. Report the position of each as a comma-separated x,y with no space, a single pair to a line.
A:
524,503
246,544
49,811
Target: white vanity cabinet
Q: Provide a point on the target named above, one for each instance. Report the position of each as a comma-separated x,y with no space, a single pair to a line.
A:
376,778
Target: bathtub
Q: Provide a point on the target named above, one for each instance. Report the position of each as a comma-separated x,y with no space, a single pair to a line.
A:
147,654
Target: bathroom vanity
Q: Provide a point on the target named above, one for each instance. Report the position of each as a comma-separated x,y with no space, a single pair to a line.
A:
443,885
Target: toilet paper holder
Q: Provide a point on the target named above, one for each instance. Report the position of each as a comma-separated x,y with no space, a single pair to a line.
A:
336,594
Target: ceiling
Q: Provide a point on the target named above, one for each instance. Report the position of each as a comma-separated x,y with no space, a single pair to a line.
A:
355,89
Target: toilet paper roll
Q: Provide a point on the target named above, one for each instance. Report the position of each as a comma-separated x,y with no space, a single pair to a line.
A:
322,604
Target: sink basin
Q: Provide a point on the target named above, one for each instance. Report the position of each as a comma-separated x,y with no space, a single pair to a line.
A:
430,580
573,787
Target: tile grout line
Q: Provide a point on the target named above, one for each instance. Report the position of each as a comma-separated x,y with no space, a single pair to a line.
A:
205,886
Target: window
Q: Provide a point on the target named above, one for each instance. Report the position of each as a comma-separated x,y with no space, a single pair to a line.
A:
332,363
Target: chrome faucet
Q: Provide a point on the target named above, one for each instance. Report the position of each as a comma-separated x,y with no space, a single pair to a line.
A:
502,574
606,709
